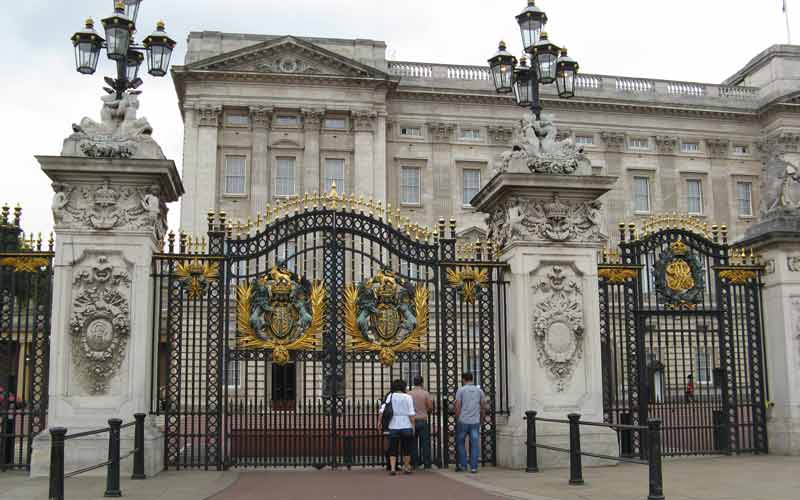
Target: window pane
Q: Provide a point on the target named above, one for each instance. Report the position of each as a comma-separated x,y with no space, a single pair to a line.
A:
472,184
334,172
694,196
337,123
237,119
584,140
638,143
234,174
690,147
412,131
743,194
409,185
286,120
641,194
284,177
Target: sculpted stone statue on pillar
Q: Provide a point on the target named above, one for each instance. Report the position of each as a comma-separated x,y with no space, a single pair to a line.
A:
539,149
119,134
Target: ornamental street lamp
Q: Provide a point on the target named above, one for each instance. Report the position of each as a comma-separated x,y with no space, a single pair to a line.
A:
120,47
549,64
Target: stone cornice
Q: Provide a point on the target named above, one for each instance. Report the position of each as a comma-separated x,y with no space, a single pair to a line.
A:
312,118
208,115
585,104
614,141
666,143
261,116
718,146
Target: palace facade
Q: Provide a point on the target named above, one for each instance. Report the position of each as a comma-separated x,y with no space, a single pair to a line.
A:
272,117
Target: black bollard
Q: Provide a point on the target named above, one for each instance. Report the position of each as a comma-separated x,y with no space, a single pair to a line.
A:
654,462
532,464
575,467
112,470
138,444
57,435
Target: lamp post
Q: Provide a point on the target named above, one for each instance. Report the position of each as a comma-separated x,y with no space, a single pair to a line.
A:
120,46
548,64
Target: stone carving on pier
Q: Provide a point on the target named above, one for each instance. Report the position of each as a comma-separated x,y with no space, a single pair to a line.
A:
545,220
105,207
780,176
538,149
119,134
558,327
100,321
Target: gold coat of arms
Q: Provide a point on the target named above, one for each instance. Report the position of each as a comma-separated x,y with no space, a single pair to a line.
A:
281,312
387,315
679,277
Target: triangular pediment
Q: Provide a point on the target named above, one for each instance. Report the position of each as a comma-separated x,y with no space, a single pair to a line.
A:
288,55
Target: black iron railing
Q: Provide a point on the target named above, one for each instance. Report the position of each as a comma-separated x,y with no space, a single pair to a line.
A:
653,444
58,438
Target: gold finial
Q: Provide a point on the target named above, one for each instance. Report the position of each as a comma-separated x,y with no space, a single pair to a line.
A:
210,219
268,213
39,242
182,242
171,241
51,242
258,221
389,213
4,215
221,216
17,214
229,231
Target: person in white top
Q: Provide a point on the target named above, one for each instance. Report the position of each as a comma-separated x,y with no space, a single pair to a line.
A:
401,426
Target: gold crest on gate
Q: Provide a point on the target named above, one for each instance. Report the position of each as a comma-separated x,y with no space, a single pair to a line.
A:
679,278
387,315
280,312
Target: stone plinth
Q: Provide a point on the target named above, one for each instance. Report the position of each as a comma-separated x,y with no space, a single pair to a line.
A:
550,230
778,243
110,215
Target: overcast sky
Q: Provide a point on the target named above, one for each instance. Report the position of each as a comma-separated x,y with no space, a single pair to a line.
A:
42,94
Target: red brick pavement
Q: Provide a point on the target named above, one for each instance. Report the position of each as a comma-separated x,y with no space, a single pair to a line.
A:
348,485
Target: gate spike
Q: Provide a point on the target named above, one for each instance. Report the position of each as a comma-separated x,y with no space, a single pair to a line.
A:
50,242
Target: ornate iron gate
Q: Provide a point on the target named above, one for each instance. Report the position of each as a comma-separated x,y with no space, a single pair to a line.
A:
25,290
278,341
681,332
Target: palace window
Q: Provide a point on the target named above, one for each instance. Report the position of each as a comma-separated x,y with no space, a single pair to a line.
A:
336,123
411,131
287,252
741,150
410,370
471,134
638,143
237,120
234,174
690,147
334,172
287,120
584,140
744,198
703,367
284,177
694,196
410,185
471,184
232,373
641,194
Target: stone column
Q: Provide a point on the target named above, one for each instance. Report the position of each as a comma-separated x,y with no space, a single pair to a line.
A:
379,164
776,237
364,127
203,194
312,175
668,174
719,180
618,201
261,118
441,170
549,229
110,215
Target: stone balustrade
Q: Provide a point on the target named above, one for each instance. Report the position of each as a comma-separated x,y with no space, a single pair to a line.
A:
479,78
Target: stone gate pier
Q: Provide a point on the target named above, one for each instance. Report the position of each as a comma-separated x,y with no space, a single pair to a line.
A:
112,184
543,209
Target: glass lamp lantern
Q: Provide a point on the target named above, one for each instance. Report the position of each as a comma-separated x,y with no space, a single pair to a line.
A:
531,23
159,50
502,67
87,45
566,74
523,84
545,56
132,9
119,29
132,63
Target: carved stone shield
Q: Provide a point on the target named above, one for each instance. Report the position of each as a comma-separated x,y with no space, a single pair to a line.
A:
386,321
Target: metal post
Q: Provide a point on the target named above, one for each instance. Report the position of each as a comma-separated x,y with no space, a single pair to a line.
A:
575,467
57,435
656,477
138,444
112,470
348,452
626,436
532,460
